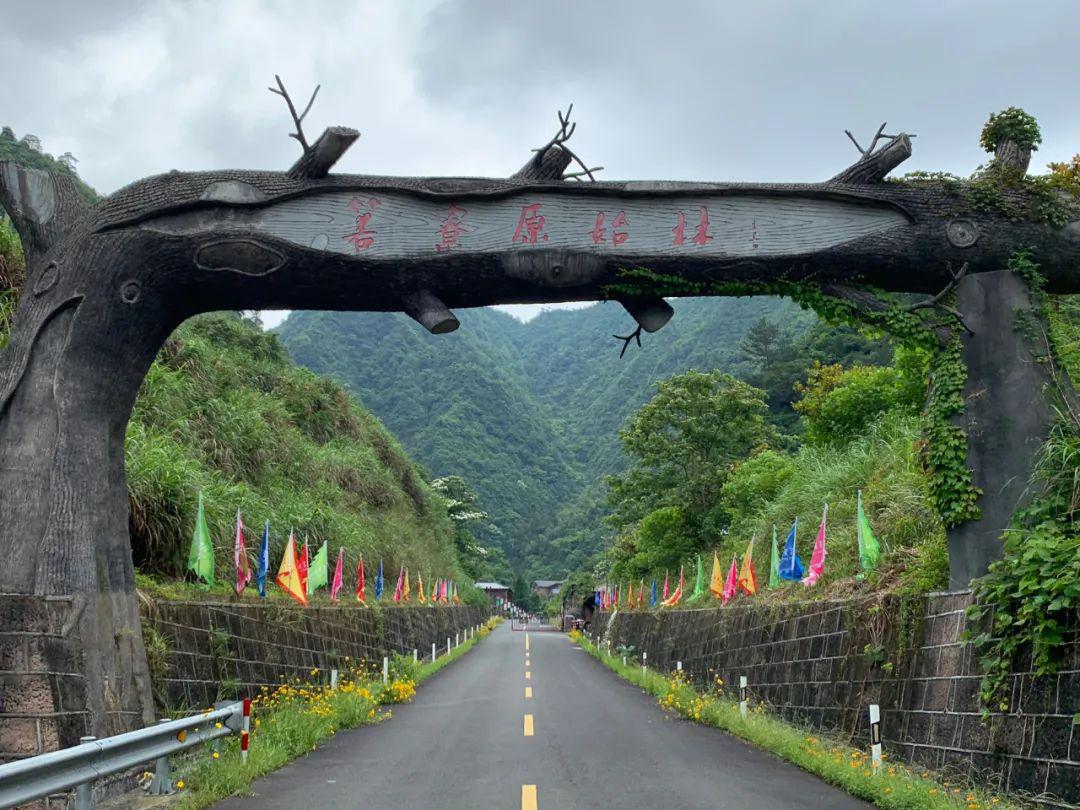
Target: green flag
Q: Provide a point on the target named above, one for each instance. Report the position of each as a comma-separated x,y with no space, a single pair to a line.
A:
201,556
699,581
774,563
318,573
869,549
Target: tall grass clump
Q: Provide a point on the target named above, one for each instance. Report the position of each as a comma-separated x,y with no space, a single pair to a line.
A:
772,489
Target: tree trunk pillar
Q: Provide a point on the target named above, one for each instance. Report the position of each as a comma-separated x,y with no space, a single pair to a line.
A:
1007,414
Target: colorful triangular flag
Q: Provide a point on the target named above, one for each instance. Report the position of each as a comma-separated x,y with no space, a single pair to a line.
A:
339,576
201,555
817,559
747,576
732,583
774,562
716,581
264,560
288,577
240,558
869,549
791,567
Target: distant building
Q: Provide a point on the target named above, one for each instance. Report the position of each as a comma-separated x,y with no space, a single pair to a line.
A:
547,588
496,592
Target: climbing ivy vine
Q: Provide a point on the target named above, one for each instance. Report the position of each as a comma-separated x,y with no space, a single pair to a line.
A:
1027,599
944,448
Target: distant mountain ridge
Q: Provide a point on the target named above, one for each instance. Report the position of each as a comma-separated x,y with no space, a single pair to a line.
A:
528,413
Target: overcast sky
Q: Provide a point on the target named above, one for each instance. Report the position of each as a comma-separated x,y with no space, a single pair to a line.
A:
679,89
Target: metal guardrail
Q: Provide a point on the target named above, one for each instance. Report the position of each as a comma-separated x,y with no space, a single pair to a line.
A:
77,767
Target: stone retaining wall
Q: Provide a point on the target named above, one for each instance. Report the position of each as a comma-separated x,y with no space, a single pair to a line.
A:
823,663
199,652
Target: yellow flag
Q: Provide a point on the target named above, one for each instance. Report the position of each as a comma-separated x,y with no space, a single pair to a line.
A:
716,581
747,578
288,577
420,588
405,590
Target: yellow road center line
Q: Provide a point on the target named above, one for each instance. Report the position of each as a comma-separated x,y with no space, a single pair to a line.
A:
526,642
528,797
528,725
528,675
528,692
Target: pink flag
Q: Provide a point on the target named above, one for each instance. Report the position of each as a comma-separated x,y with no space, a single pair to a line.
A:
243,567
339,576
731,585
666,589
400,584
817,561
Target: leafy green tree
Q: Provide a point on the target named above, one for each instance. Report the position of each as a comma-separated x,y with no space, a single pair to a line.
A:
683,443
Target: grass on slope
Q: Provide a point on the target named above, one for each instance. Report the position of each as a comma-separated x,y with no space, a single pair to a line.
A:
223,410
773,488
895,787
292,720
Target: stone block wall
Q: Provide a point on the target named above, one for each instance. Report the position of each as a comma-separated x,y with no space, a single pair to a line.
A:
42,689
821,664
201,652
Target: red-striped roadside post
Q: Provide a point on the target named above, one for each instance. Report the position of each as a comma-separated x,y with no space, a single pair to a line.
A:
245,731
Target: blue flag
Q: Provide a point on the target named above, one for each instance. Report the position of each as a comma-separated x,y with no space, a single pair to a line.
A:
652,594
790,564
264,559
378,582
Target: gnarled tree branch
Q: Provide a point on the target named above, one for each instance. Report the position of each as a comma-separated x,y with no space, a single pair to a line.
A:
635,335
873,164
298,120
550,160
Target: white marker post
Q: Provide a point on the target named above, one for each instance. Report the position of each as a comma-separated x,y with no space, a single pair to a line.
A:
333,679
415,656
742,695
678,666
385,670
433,652
875,736
457,639
644,661
448,645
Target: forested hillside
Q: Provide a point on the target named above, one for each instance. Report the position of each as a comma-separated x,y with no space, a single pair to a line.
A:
529,413
224,411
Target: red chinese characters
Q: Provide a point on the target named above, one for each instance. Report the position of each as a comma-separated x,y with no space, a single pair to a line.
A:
362,237
530,226
619,232
701,235
452,229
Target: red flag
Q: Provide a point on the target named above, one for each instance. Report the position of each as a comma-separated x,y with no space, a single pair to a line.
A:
339,576
361,597
817,559
400,584
732,584
676,595
302,570
243,567
641,594
667,591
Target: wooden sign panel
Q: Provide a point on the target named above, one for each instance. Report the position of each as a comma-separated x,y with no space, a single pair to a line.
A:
394,225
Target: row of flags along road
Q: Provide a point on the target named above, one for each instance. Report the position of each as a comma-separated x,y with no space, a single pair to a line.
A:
300,576
742,578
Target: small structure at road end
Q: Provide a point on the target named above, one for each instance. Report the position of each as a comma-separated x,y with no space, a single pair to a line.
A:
547,588
498,593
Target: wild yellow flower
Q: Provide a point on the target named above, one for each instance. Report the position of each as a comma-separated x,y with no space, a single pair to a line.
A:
216,755
180,785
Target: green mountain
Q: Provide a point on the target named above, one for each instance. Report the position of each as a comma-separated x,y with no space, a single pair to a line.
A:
527,413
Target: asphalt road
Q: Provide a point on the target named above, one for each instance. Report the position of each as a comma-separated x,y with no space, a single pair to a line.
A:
583,740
